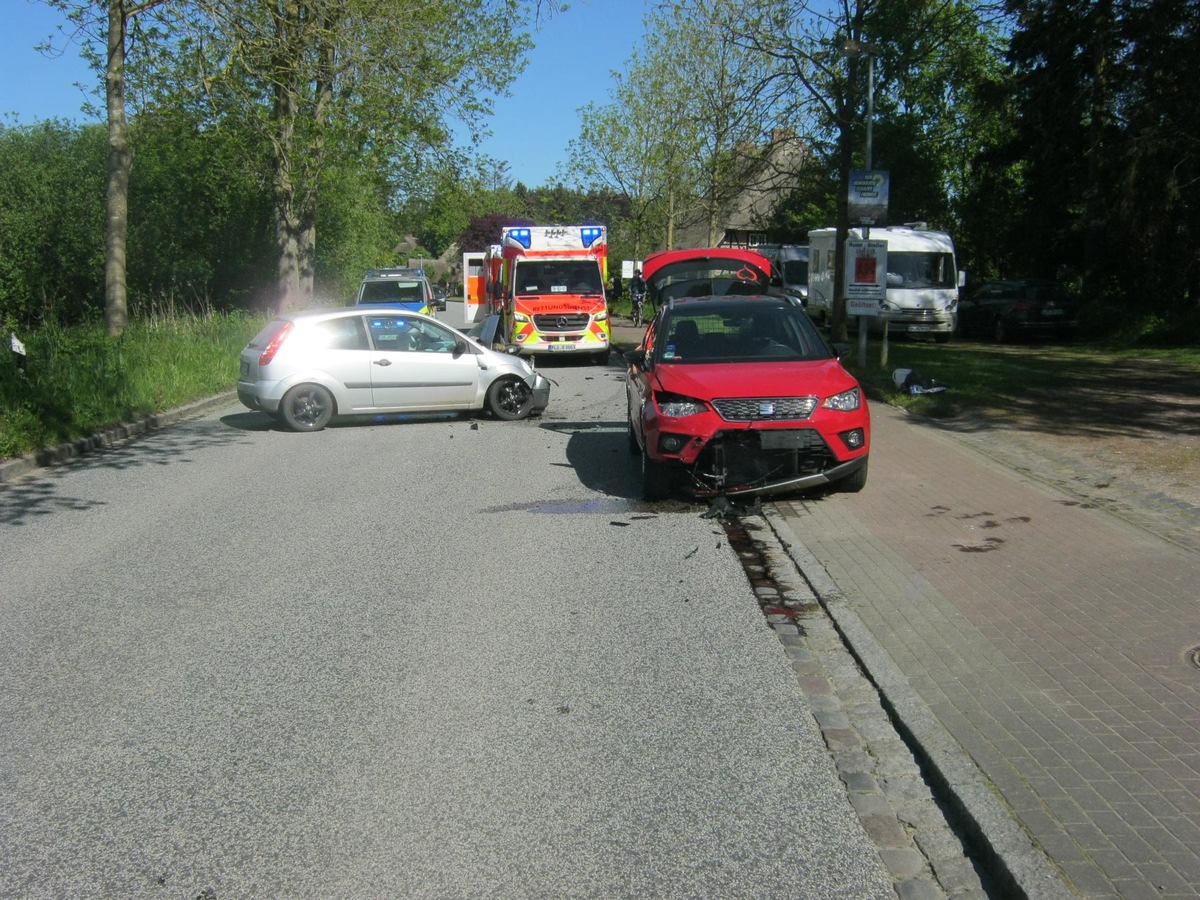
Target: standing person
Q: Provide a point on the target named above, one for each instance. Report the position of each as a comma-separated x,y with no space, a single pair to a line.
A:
637,291
615,288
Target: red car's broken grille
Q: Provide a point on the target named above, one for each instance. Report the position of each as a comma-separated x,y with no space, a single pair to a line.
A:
765,409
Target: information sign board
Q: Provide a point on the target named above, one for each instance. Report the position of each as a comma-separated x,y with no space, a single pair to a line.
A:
866,277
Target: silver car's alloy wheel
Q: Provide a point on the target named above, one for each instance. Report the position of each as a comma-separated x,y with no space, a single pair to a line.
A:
510,399
308,407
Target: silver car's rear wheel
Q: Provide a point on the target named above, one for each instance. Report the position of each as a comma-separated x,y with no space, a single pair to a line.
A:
307,407
510,399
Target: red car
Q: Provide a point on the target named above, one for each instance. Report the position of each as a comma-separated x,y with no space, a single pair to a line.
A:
734,392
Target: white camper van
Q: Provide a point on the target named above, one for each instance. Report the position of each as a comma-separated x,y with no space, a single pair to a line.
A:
922,278
789,269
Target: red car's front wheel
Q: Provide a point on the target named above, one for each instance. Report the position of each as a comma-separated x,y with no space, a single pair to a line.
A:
656,478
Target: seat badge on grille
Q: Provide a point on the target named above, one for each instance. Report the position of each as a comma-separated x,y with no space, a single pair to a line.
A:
766,407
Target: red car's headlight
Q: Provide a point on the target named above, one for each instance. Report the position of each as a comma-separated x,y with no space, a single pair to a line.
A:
676,405
846,401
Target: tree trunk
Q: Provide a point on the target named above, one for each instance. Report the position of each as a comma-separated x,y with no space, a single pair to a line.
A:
120,161
288,228
1094,213
316,158
670,219
288,231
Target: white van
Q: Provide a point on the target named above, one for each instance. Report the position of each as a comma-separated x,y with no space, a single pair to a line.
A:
789,270
922,278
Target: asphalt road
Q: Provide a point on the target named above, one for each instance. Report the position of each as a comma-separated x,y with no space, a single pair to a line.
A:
445,657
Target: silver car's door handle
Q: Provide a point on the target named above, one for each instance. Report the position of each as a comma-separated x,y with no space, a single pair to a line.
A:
383,362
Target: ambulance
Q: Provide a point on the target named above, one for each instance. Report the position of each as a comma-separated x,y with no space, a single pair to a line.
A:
547,283
474,296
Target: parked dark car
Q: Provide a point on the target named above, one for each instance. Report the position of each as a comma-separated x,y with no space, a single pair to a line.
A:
1009,309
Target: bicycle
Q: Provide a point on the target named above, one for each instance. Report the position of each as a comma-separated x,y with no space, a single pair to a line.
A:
639,304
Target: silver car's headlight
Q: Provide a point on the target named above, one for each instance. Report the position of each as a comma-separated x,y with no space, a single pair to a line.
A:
675,405
846,401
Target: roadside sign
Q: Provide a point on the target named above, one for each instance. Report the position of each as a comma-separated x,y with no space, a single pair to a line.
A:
866,277
867,196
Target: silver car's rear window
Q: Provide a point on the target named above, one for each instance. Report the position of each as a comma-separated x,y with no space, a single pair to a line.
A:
268,332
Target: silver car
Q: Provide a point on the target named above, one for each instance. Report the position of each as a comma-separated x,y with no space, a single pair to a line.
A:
307,367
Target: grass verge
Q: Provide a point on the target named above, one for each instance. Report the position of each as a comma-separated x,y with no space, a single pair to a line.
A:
999,379
76,380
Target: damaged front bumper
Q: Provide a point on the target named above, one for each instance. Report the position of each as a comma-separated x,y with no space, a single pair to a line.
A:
758,462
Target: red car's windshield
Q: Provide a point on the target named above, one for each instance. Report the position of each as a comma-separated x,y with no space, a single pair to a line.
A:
747,332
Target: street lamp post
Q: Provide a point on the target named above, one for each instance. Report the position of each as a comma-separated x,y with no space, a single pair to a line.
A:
856,50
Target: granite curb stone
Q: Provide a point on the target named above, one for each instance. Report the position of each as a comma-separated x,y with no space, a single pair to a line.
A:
105,438
1020,867
883,780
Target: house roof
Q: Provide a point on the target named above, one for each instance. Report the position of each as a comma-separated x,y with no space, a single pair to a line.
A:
772,177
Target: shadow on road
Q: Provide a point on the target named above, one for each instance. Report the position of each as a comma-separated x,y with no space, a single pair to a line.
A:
39,495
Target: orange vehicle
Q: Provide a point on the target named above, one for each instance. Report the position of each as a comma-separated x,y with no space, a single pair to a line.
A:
474,297
547,282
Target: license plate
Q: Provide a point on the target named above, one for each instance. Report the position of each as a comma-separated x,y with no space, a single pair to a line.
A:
1053,312
558,347
772,439
918,327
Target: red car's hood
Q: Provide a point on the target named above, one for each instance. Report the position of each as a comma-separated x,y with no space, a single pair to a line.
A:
819,378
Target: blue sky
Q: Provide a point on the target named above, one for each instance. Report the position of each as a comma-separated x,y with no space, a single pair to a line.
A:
570,65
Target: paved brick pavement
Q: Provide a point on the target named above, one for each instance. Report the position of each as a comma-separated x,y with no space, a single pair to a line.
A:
918,838
1055,643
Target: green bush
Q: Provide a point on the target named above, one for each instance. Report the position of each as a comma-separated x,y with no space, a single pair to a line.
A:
77,379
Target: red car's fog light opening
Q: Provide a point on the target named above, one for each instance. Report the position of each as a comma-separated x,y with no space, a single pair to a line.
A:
853,439
672,443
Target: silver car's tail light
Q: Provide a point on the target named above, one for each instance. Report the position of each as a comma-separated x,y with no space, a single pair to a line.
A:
273,346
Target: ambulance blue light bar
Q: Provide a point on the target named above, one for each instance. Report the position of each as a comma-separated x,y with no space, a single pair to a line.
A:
590,234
